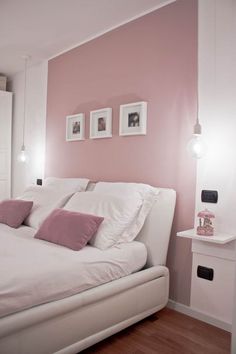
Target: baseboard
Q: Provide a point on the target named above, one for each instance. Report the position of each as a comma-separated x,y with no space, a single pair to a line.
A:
199,315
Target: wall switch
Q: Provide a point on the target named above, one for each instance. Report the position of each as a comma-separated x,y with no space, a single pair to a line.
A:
208,196
205,273
39,181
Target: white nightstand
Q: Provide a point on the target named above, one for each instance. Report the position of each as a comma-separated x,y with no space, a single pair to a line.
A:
213,298
220,238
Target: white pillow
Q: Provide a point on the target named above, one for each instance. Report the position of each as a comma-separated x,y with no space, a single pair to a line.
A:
118,213
123,189
143,192
67,184
45,200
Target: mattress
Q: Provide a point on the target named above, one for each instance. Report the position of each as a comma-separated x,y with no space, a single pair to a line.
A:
33,272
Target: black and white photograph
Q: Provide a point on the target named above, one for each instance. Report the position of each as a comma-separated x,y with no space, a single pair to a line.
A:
101,123
75,127
133,118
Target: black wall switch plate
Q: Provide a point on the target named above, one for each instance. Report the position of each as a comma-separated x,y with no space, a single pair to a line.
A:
209,196
39,182
205,273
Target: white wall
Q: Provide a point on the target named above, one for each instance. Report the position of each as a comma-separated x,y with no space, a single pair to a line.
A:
25,174
233,337
217,93
5,144
217,170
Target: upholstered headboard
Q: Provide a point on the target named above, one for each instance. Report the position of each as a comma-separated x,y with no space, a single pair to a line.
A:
155,233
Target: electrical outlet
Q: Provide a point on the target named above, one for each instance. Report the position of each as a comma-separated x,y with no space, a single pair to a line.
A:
205,273
39,181
208,196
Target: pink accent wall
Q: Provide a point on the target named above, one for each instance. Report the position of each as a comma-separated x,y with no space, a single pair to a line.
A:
151,59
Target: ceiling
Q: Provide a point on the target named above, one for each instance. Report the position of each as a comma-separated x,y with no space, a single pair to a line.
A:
46,28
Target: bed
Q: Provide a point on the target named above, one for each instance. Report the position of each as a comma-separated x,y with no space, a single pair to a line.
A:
77,321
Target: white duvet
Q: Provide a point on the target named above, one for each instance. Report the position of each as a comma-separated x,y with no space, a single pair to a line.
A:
33,271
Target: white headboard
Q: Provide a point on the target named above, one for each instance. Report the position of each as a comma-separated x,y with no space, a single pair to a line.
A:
155,233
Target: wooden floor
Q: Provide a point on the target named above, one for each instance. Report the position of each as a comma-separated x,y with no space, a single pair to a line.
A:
168,332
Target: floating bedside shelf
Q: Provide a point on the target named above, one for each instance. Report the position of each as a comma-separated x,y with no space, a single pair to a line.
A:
217,238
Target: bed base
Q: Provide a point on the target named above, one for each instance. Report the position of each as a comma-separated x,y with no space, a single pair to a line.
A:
72,324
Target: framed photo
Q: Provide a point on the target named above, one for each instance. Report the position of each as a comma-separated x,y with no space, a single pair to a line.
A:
133,118
101,123
75,127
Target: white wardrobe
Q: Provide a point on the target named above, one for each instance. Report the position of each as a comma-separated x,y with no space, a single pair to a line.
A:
5,143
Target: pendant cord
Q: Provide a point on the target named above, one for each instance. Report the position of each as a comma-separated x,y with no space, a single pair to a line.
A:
197,78
214,49
24,106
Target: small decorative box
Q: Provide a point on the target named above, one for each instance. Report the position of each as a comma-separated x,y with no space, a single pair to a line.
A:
205,227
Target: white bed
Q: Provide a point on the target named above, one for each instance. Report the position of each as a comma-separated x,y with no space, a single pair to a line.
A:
49,272
75,322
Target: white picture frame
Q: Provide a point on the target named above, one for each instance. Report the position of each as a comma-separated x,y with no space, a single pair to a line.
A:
75,127
101,123
133,119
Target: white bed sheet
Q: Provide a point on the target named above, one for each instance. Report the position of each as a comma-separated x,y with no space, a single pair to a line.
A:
33,271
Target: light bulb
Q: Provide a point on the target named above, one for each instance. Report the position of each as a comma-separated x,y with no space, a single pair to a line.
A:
23,157
196,146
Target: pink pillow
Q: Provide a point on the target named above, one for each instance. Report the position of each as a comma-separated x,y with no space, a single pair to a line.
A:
14,211
69,228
